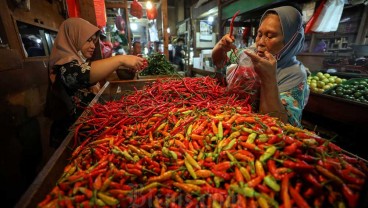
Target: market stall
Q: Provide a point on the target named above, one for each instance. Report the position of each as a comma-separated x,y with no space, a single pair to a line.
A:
188,142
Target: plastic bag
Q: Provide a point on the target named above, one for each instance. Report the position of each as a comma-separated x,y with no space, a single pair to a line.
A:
242,79
152,13
136,9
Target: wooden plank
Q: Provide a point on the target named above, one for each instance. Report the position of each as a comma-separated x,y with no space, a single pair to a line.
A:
111,5
164,17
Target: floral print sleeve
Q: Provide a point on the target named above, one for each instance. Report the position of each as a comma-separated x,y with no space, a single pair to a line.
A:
75,79
294,101
75,76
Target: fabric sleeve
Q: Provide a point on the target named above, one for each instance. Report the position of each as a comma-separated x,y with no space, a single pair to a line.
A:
75,75
294,101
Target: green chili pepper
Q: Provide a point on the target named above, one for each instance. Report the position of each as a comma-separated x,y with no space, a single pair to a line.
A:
267,154
270,181
230,144
245,129
251,138
220,129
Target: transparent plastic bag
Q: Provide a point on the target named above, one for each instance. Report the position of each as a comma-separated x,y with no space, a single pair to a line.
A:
242,79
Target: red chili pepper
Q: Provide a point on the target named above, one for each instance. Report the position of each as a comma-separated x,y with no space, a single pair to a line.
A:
285,192
350,196
289,150
300,165
346,174
299,200
310,178
212,190
262,188
224,166
140,201
255,181
222,174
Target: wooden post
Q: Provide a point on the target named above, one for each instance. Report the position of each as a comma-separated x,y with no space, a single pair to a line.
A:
129,32
164,27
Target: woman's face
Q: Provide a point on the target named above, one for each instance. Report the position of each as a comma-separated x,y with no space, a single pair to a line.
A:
269,37
89,47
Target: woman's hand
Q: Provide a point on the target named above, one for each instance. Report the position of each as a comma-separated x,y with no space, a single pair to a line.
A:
265,67
132,62
221,48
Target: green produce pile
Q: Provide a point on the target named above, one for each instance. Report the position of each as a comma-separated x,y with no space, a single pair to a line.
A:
355,89
158,65
320,82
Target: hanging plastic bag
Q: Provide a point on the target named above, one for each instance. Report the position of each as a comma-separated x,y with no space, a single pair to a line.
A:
136,9
330,16
314,18
242,79
152,13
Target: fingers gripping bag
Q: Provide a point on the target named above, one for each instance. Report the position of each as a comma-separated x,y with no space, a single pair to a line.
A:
242,79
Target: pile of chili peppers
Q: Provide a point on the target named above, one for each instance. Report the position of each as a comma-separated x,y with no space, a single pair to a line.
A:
187,143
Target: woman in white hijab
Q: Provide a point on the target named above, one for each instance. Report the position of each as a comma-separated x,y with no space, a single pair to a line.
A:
284,90
72,72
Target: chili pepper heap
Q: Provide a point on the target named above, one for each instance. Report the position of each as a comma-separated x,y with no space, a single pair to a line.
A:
188,143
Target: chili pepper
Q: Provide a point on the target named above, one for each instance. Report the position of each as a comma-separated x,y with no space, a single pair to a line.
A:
243,119
350,196
192,161
270,181
203,173
140,201
259,168
187,187
262,202
232,119
285,192
217,180
147,187
220,131
251,138
163,177
300,165
224,166
222,174
98,183
245,191
255,181
346,174
177,178
309,177
238,175
329,174
190,168
299,200
245,173
212,190
250,146
262,188
267,154
86,192
107,199
45,201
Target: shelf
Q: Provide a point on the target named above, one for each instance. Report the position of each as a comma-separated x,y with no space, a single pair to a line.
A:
327,54
338,109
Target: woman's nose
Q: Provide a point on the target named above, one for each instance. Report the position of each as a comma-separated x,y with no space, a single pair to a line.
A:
261,40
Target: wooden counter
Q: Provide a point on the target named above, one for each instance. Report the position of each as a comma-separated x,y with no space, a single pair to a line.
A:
340,120
338,109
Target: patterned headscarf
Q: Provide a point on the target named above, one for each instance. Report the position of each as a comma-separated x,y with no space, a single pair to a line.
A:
290,72
73,34
292,28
